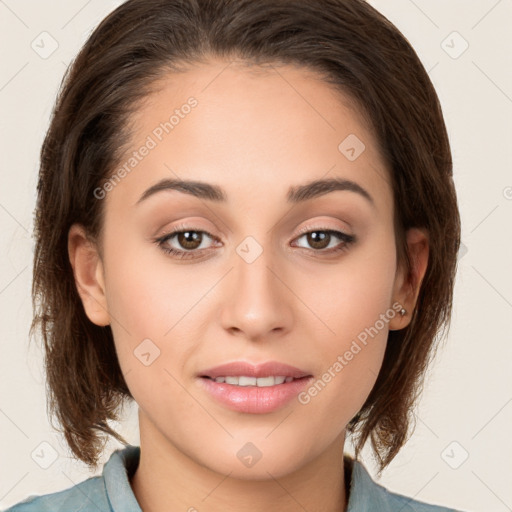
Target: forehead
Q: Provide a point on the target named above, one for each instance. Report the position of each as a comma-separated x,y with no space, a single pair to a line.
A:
249,129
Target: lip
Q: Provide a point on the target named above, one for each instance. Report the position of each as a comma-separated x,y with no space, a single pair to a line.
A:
267,369
254,399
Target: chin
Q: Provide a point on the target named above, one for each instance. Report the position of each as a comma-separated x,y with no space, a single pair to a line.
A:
259,459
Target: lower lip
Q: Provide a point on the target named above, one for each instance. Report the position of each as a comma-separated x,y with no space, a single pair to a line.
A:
253,399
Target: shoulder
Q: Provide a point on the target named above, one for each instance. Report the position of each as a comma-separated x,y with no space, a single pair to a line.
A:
393,500
366,494
89,495
103,493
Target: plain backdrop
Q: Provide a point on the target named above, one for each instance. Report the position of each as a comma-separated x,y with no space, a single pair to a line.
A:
460,453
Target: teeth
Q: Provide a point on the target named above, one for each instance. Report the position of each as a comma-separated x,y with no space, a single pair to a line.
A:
260,382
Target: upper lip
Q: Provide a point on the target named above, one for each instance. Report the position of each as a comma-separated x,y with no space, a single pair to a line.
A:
267,369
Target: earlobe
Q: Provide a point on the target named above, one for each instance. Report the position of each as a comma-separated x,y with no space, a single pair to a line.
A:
408,284
88,274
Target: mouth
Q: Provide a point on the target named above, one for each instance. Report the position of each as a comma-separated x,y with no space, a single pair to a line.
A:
254,389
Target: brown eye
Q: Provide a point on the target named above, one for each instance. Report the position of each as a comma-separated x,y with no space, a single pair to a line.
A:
318,239
189,239
186,243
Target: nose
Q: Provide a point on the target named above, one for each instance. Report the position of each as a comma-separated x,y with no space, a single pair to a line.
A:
256,301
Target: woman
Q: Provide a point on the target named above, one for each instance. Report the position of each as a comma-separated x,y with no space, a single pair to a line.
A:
247,224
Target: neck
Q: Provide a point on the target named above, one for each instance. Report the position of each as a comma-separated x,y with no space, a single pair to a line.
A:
167,479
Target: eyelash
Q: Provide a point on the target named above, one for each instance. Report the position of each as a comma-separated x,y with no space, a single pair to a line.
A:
347,240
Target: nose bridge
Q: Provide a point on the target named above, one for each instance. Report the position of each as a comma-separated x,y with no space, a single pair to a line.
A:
258,303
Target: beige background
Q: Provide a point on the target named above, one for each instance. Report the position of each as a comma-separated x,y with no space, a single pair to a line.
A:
466,407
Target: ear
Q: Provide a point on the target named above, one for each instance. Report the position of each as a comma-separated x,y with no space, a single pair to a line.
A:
407,284
88,272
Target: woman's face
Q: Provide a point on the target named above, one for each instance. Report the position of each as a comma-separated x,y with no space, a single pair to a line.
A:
249,283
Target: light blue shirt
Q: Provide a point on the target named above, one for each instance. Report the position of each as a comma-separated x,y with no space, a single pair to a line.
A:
111,492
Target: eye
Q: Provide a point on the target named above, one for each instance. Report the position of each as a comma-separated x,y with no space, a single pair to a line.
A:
188,241
324,240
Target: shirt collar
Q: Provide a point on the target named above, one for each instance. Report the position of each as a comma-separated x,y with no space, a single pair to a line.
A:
364,492
116,474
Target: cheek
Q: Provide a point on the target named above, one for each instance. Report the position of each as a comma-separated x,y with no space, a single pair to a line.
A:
140,308
145,295
154,310
351,296
355,306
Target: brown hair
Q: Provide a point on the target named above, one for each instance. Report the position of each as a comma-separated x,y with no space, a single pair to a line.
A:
353,47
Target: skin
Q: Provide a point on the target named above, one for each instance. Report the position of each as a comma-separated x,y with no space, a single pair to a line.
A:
254,133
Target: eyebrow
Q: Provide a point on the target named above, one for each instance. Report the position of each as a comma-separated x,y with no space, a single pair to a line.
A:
296,194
